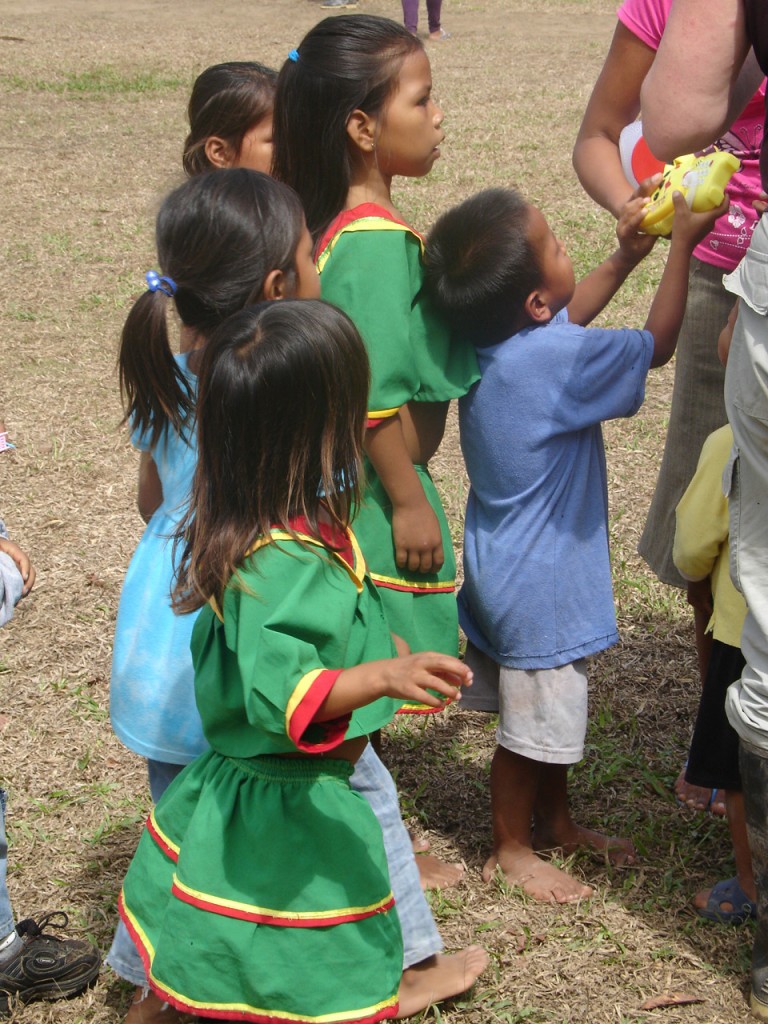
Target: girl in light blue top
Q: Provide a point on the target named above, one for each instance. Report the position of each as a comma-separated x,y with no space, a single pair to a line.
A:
224,240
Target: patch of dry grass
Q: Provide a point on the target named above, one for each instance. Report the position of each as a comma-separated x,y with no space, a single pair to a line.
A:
94,105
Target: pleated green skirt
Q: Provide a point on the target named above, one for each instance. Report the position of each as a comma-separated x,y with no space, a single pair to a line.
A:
260,892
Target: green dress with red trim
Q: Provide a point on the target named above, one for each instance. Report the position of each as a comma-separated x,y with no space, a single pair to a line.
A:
259,890
371,267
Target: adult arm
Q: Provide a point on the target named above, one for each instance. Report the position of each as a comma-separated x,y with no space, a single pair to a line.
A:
695,89
614,103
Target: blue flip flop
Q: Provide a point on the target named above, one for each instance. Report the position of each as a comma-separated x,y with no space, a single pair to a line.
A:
728,891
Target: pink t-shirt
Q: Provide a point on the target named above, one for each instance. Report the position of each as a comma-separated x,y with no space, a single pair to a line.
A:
725,245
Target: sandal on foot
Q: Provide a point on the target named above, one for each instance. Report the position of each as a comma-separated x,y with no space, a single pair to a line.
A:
728,891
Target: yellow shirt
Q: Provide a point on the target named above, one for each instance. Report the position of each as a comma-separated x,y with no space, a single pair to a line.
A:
701,539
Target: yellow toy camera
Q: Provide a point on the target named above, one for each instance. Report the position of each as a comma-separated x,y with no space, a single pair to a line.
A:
701,180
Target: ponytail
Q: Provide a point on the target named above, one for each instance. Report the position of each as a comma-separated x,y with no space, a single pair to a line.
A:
154,390
218,236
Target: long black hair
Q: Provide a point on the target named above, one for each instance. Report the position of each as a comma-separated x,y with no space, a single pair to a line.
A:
343,64
218,236
281,415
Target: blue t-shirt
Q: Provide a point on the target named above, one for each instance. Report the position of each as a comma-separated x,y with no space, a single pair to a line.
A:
152,696
537,590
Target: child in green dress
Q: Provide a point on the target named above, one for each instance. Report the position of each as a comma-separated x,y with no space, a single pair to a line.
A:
294,666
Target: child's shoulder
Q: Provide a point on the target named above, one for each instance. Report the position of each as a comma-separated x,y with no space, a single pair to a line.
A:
297,551
366,225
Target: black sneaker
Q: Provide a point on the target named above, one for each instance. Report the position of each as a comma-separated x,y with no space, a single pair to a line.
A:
47,967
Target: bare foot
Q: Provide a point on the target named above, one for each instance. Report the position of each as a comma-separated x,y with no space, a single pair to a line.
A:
147,1008
419,844
699,798
540,880
440,977
438,874
620,852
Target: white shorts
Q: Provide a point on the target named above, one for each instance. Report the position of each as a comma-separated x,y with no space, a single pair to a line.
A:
542,712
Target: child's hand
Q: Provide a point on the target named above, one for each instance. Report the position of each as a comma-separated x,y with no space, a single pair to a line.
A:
689,228
406,678
411,678
23,564
633,244
646,188
417,538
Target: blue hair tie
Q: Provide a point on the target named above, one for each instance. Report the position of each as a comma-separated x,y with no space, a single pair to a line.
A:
294,56
155,283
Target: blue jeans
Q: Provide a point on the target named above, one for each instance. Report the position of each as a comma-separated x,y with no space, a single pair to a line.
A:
123,957
421,938
371,780
7,923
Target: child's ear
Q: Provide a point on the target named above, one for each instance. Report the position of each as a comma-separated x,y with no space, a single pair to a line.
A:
361,130
537,308
219,152
275,286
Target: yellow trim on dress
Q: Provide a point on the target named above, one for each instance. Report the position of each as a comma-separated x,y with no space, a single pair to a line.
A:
411,584
303,687
383,414
356,571
283,915
163,836
366,224
277,1015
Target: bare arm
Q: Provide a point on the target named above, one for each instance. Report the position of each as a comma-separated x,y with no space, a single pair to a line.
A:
406,678
690,96
23,564
614,103
150,491
595,291
668,307
415,529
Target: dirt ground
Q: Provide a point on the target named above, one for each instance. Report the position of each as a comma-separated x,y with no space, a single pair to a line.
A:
93,102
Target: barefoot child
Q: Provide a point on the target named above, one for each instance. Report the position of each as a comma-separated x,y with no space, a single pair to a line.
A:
537,597
223,240
353,109
294,665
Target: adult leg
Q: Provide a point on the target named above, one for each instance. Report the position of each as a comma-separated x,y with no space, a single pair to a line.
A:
697,409
746,397
754,772
411,15
434,8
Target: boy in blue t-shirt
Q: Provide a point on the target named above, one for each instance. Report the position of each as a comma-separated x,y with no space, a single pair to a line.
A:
537,597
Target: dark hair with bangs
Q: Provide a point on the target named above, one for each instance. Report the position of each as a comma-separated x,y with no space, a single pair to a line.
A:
227,101
281,415
344,64
218,236
480,267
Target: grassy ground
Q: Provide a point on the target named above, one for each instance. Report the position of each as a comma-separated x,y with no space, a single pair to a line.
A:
93,117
